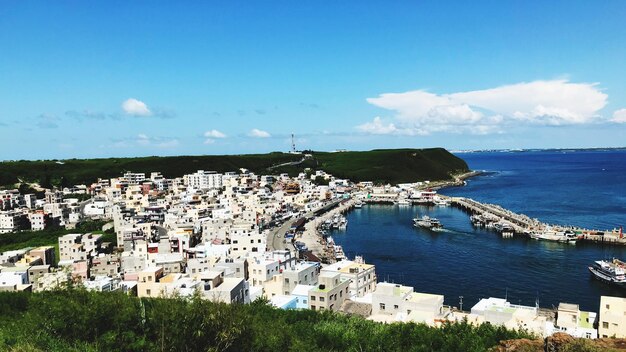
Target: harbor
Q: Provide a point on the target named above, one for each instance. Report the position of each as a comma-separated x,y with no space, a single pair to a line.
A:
473,262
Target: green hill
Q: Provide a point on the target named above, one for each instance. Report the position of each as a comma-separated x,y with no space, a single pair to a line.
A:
385,165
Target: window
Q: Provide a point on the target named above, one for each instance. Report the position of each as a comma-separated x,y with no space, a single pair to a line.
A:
286,280
321,299
382,306
148,292
608,306
395,306
312,298
304,301
312,307
605,325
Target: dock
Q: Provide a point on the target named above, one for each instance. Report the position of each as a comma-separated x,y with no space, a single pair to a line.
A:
524,225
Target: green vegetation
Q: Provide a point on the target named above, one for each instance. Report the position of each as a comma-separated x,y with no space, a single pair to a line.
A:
392,165
76,320
48,237
388,165
85,171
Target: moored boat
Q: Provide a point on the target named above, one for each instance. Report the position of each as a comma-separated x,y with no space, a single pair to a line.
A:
566,236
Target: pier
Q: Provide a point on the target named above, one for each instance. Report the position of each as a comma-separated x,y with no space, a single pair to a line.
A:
524,225
520,222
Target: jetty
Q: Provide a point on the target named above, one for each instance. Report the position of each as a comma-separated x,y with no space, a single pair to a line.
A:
524,225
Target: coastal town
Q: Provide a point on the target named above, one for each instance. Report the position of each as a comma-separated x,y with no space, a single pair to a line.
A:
237,237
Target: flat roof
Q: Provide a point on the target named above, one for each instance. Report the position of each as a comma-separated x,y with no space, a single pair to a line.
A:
229,284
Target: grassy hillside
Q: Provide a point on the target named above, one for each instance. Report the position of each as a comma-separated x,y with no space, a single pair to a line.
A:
76,320
390,165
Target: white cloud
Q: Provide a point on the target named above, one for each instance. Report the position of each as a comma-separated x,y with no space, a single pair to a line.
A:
377,126
555,102
146,141
256,133
209,141
214,134
136,107
619,116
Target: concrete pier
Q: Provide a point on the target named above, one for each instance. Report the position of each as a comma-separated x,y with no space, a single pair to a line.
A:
523,224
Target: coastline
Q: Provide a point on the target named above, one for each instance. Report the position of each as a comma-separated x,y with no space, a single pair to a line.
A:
317,244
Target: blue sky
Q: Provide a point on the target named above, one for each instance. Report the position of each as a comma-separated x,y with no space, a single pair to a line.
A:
131,78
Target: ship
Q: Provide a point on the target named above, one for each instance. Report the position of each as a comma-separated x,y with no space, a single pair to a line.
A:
566,236
612,272
427,223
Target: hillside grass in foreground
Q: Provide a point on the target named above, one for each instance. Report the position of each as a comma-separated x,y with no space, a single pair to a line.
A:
77,320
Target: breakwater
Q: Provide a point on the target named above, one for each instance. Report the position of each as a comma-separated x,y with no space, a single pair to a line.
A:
524,225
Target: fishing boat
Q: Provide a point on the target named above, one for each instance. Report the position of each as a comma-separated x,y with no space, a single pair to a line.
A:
612,272
427,223
404,202
442,202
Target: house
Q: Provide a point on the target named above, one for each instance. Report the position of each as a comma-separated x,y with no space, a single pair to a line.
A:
612,321
330,293
394,302
37,271
498,311
571,320
46,253
231,290
362,276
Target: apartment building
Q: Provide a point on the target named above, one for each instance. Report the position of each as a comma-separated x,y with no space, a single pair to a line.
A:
330,293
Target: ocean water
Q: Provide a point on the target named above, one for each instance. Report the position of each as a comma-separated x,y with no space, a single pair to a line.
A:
580,188
583,188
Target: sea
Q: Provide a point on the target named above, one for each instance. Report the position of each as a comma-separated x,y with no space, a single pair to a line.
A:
586,188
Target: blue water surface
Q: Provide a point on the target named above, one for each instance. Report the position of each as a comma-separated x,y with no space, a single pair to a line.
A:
581,188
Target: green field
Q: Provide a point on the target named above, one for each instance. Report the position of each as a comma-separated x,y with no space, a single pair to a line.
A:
385,165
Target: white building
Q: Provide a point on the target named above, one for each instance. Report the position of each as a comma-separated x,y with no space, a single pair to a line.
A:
203,180
394,302
571,320
362,276
612,322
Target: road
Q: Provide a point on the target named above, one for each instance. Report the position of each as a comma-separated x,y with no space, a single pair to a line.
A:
276,236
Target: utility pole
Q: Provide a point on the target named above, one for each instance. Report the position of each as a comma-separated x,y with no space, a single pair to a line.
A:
293,144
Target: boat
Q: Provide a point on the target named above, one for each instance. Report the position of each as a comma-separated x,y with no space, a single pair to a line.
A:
427,223
507,231
612,272
404,201
566,236
442,202
358,204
